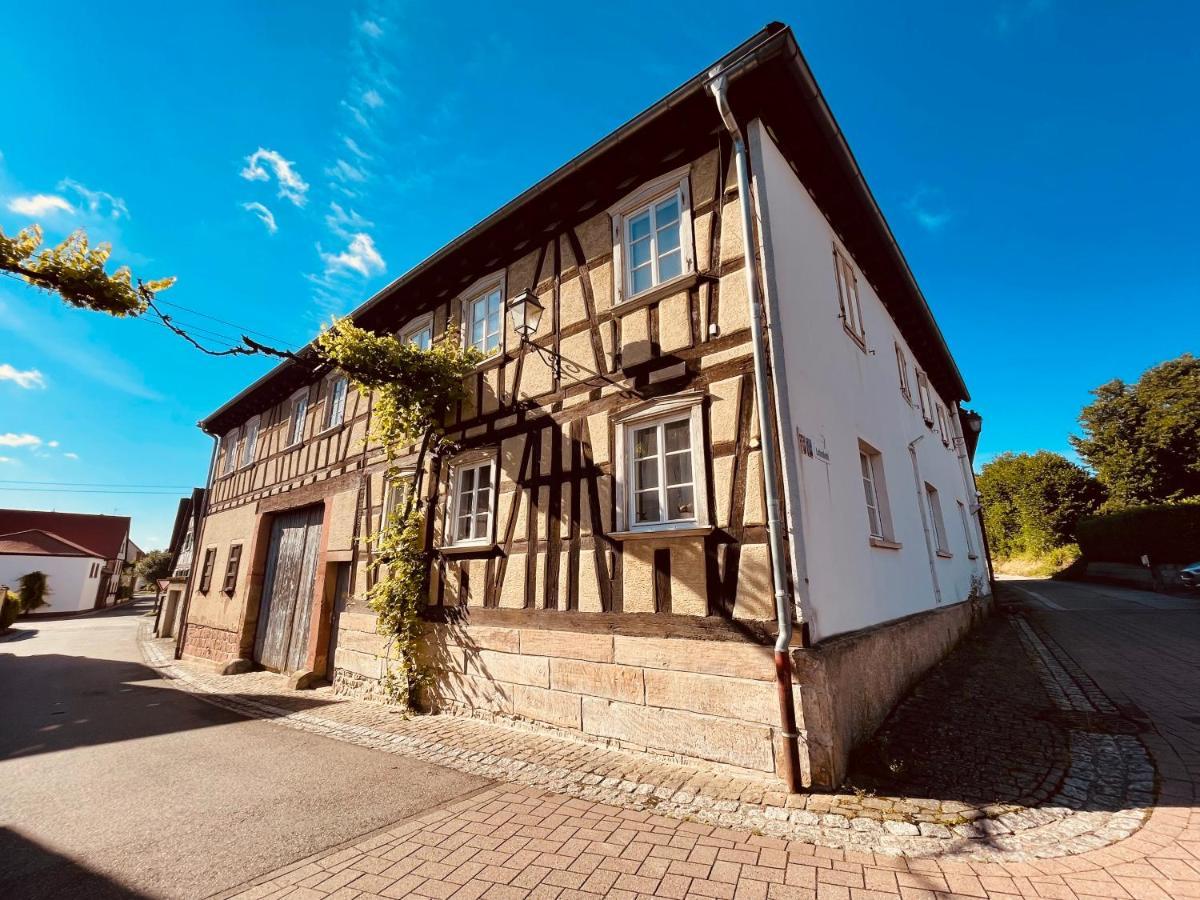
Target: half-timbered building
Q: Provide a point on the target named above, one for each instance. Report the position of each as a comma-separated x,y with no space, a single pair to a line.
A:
618,539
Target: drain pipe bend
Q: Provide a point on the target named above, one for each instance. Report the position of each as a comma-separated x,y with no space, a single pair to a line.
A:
783,603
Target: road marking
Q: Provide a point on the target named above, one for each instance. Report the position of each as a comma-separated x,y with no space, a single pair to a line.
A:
1036,596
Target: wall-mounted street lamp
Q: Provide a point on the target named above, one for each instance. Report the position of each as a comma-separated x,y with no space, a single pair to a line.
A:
525,313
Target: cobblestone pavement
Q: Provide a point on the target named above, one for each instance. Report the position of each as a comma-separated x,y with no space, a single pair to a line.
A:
523,841
1008,751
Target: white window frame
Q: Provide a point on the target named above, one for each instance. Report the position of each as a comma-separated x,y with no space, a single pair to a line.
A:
419,325
849,297
966,523
478,291
874,481
943,424
632,205
472,462
393,496
249,442
902,368
926,397
329,398
687,406
230,442
933,501
296,422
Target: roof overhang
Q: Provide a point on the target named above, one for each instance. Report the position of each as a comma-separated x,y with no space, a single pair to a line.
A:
768,79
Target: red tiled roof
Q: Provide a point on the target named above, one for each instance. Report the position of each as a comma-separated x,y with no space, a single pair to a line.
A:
35,542
101,536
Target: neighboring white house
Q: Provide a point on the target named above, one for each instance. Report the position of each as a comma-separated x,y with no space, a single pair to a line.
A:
72,572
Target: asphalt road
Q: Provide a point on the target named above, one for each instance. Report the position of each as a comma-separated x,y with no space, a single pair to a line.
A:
115,784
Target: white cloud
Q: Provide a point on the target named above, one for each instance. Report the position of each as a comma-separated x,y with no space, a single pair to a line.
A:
9,439
264,215
52,443
40,205
291,185
357,114
370,28
359,256
22,378
97,202
352,146
341,222
372,99
71,455
345,172
926,207
6,459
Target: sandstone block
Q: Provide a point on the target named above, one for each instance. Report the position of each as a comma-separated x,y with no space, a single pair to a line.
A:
597,680
485,637
508,667
713,695
754,598
476,693
555,707
735,659
569,644
685,733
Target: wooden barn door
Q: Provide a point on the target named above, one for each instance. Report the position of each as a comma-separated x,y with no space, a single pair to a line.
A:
286,606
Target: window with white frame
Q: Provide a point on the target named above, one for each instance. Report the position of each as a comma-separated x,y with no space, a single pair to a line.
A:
851,308
230,449
396,491
482,320
937,521
661,469
966,524
902,368
943,425
926,397
249,441
299,413
652,235
879,517
474,494
335,403
419,333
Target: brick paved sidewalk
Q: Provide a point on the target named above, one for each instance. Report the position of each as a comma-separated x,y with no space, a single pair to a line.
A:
975,763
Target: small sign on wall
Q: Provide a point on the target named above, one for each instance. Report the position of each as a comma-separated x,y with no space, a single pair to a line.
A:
811,449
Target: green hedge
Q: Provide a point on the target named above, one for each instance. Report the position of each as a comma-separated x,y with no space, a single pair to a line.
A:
1168,533
10,608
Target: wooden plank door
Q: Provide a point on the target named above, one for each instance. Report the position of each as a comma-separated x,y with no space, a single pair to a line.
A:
281,642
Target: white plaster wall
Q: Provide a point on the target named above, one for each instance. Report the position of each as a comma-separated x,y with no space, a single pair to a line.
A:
838,394
69,587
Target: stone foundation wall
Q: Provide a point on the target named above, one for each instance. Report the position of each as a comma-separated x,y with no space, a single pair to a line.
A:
849,684
204,642
695,700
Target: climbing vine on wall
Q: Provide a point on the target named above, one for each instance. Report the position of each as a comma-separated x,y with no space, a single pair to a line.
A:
412,390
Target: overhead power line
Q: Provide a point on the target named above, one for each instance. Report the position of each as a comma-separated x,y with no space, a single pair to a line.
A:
98,484
88,491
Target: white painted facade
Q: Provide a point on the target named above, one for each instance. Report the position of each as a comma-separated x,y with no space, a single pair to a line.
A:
837,393
71,581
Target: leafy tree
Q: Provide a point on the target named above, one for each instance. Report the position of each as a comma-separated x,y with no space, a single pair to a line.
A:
1143,439
32,589
1032,501
154,565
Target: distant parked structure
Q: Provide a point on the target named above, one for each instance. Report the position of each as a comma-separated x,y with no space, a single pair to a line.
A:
81,554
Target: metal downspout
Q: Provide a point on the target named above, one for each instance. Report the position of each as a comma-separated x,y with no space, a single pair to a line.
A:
181,638
783,603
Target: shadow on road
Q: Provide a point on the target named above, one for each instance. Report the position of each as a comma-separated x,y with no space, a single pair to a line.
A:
54,702
31,871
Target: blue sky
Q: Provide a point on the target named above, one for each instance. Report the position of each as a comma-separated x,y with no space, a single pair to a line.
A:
1035,158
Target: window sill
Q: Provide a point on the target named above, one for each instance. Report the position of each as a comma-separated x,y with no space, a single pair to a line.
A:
329,428
481,549
972,556
942,554
684,282
661,534
884,544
